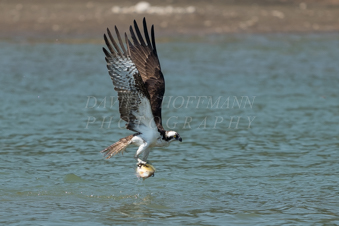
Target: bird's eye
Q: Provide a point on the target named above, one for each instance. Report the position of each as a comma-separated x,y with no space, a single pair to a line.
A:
174,136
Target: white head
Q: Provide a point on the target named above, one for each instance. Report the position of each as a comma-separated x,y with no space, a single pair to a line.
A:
172,135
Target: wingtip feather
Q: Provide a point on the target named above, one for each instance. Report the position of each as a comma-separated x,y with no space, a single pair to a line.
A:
106,52
153,40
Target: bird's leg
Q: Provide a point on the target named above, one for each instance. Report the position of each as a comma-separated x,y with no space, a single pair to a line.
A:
145,155
141,149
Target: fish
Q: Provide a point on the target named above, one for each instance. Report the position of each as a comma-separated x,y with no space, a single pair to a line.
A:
145,171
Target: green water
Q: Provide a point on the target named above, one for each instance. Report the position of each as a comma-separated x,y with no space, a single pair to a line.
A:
258,116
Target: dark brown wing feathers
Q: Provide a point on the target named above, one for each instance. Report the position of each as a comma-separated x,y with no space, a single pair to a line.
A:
153,41
146,60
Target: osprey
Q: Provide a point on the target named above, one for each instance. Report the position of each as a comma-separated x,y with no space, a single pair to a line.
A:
137,77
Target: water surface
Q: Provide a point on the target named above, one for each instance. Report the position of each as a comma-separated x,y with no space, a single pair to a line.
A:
58,112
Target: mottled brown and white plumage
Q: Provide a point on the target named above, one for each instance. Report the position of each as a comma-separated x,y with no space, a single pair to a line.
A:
137,77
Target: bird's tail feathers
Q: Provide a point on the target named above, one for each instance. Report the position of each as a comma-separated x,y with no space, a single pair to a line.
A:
118,147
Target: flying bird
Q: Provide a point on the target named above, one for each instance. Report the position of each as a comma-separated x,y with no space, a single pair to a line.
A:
136,74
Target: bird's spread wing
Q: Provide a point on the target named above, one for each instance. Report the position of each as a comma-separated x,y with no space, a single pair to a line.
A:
134,99
144,55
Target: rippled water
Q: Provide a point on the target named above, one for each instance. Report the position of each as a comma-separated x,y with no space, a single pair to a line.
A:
57,101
